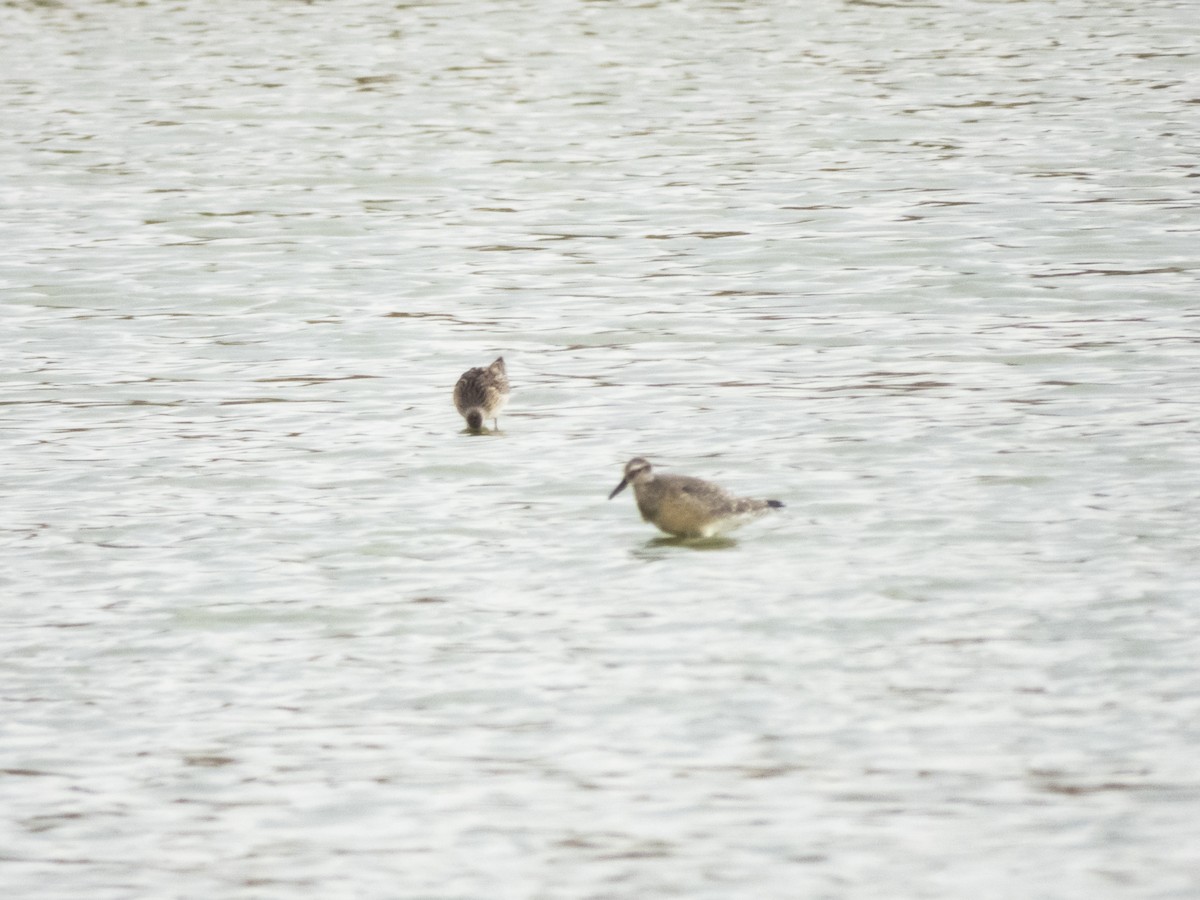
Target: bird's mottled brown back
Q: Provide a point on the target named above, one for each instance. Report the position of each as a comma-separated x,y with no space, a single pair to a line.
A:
473,389
481,388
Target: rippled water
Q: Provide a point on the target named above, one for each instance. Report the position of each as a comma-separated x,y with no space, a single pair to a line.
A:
275,626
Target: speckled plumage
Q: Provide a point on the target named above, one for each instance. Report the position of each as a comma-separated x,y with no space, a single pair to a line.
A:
481,393
686,506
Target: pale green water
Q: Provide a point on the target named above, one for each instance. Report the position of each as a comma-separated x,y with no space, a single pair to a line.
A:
275,627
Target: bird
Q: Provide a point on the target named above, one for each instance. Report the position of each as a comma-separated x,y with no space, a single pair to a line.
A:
687,507
480,394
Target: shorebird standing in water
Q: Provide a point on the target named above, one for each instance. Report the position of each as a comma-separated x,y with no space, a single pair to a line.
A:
480,394
686,506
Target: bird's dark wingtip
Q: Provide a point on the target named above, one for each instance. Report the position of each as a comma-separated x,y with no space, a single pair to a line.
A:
775,504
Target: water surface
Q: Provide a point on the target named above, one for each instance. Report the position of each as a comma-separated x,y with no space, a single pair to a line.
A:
275,626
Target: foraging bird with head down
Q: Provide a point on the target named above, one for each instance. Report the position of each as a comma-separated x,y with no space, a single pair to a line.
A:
685,506
481,393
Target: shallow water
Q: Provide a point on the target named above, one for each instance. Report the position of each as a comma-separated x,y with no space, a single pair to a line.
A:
276,626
